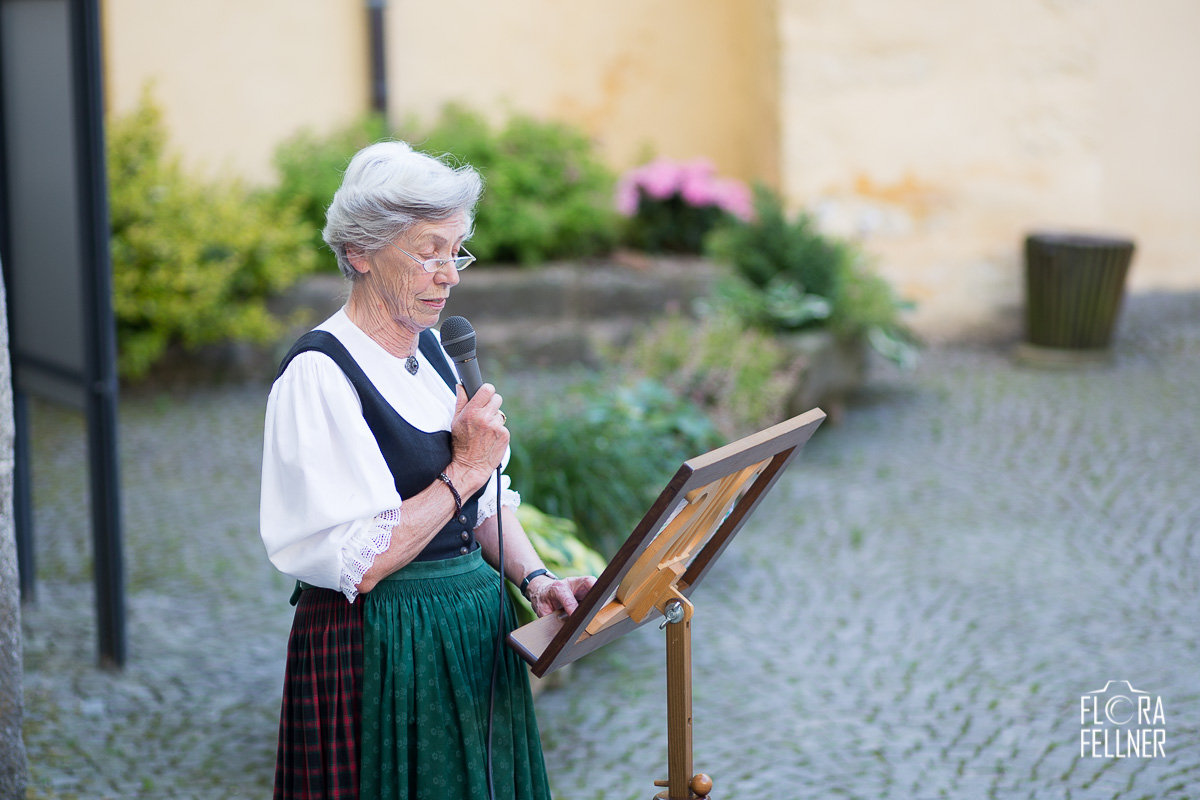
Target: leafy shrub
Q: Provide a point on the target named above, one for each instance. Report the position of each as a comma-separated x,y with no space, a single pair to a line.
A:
310,171
788,276
192,261
740,376
546,196
600,456
673,205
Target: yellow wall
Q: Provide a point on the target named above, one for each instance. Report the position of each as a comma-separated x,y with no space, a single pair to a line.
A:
943,132
939,131
235,77
686,78
1149,143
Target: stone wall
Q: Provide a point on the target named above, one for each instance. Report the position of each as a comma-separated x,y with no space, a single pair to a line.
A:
943,132
12,748
576,315
559,315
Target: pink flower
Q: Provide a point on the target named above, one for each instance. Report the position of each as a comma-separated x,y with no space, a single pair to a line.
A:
694,181
659,179
697,184
734,196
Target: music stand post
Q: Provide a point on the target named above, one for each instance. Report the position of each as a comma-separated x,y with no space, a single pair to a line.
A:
680,780
658,567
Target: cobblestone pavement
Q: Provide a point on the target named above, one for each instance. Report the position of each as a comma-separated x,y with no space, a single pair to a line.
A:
915,612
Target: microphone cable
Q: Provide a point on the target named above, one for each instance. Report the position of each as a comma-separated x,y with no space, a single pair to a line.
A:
499,638
458,341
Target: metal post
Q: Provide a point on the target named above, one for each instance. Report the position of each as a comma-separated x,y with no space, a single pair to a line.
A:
678,615
379,99
106,528
101,375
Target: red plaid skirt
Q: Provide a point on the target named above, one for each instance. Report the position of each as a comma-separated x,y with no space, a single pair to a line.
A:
320,721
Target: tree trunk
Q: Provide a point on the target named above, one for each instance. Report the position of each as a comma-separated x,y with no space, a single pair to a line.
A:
13,768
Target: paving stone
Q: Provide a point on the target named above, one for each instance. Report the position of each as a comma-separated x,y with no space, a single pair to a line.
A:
914,612
931,588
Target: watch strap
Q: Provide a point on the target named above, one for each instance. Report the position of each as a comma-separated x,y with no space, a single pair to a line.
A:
536,573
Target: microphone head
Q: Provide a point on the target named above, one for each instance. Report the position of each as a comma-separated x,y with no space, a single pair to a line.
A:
458,339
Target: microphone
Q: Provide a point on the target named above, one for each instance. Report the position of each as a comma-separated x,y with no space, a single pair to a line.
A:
458,340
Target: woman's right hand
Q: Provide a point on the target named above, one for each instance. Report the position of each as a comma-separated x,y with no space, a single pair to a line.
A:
478,436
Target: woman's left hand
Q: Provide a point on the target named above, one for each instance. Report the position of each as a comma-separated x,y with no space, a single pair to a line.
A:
546,595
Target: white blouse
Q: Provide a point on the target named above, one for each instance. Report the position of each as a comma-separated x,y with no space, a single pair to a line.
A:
329,501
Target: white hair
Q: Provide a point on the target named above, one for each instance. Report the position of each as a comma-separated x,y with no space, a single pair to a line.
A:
389,187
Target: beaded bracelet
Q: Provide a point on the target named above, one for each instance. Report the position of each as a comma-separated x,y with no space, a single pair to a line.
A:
444,478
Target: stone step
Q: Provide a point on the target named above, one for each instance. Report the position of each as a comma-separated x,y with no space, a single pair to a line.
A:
552,315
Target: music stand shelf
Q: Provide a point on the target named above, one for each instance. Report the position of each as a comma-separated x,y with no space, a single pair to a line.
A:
659,566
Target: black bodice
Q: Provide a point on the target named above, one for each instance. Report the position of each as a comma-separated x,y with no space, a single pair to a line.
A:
415,457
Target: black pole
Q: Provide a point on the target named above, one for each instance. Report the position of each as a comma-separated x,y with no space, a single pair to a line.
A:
101,356
379,100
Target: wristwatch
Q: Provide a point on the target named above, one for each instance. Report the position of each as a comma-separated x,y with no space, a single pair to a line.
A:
536,573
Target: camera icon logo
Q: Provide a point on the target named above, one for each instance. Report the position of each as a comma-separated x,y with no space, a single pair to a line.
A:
1115,704
1120,721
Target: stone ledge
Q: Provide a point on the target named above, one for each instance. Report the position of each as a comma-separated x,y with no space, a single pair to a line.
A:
549,316
555,316
832,370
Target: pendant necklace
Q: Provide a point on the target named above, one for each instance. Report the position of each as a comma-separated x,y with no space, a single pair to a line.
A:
412,365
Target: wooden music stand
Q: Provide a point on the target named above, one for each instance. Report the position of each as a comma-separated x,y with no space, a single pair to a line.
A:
659,566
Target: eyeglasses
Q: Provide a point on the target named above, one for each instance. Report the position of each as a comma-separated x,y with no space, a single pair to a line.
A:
434,264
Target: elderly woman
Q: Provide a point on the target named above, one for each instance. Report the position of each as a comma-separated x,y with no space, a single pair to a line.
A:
380,495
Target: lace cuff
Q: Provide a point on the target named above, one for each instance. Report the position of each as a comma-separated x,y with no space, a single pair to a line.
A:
359,553
487,504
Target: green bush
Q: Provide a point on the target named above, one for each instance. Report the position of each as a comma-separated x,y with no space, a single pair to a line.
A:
740,376
788,276
599,456
193,261
310,171
547,195
670,226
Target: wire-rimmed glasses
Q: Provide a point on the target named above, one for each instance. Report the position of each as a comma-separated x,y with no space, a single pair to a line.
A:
434,264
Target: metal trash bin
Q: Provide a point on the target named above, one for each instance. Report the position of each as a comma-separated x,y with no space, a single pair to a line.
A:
1074,285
